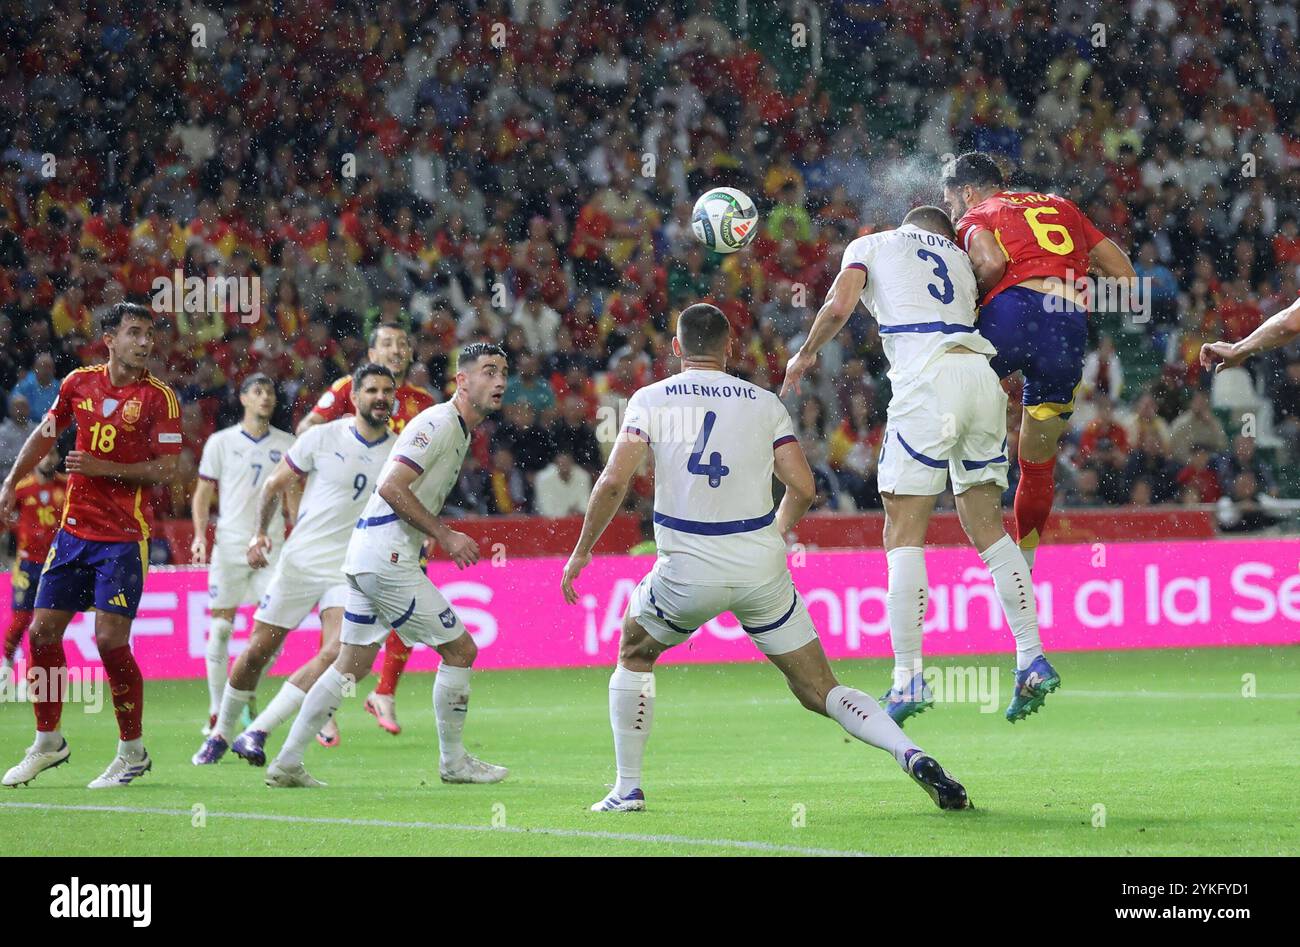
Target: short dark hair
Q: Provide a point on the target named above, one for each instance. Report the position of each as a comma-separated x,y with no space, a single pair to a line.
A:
973,167
110,320
702,329
365,370
374,333
477,350
933,219
257,378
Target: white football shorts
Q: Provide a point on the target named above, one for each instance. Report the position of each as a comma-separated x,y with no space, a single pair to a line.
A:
403,600
952,423
773,614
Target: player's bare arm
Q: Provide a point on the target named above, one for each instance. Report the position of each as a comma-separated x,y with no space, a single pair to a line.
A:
310,421
37,445
395,490
791,468
606,499
1277,330
987,259
1108,259
268,498
146,472
205,492
839,305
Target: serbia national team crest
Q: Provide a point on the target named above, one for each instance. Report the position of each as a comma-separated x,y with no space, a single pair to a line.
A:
275,456
131,411
447,617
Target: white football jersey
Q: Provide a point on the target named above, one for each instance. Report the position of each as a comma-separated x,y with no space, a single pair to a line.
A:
238,463
713,437
342,470
921,289
434,444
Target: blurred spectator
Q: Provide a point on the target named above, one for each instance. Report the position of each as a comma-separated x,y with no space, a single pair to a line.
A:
561,488
39,386
1197,480
15,429
1197,425
1247,508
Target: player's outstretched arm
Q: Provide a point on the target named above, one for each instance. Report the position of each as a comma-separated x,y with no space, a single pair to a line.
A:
395,490
200,508
987,259
791,468
840,303
37,445
606,500
1276,331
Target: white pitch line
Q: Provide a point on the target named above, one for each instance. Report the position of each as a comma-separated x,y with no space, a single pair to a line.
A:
451,827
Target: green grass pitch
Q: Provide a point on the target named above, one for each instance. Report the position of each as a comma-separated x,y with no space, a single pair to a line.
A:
1181,761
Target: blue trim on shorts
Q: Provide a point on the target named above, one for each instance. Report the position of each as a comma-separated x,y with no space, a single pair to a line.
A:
779,622
377,520
410,610
979,464
928,461
358,619
723,528
660,612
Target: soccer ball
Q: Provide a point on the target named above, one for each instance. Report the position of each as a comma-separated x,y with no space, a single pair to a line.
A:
724,220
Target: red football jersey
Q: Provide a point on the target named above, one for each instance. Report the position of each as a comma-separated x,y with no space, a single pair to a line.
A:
39,508
337,403
1041,235
139,421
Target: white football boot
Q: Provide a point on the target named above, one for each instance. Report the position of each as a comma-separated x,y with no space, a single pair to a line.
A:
121,772
35,763
469,769
290,776
634,801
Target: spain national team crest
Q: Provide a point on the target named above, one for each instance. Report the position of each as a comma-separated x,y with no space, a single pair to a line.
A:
131,411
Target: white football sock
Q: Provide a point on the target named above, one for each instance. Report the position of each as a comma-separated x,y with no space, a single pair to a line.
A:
318,706
233,702
131,750
1029,555
863,718
49,740
631,712
283,706
450,705
905,603
218,660
1011,578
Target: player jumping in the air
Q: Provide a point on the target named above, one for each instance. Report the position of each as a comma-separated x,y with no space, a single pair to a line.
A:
128,437
390,346
388,587
340,461
1029,251
716,441
234,464
40,503
947,416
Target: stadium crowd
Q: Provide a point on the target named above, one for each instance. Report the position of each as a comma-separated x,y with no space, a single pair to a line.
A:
524,172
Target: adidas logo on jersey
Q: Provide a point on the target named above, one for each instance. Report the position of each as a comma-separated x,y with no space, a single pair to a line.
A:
86,404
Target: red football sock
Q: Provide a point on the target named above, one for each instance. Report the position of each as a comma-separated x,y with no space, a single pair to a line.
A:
396,654
1034,500
128,690
14,636
45,675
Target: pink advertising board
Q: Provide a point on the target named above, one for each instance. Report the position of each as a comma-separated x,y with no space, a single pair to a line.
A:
1111,596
